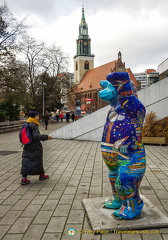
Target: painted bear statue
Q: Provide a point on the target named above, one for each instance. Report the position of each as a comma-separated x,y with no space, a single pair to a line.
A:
121,146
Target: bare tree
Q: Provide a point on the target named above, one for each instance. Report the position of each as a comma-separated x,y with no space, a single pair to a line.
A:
13,80
32,51
45,65
56,64
55,61
10,29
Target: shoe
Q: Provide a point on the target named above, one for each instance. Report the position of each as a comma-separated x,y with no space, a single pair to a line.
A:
126,212
43,177
25,181
112,204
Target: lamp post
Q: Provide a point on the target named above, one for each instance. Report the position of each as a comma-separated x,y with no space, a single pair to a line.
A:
43,84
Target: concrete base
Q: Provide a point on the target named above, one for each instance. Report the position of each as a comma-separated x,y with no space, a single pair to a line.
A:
103,219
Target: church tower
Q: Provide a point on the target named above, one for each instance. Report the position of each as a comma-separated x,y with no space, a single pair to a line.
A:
83,60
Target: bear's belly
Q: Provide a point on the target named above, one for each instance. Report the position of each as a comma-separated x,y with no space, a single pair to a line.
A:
118,130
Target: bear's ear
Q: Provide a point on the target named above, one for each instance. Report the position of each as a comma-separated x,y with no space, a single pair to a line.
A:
113,77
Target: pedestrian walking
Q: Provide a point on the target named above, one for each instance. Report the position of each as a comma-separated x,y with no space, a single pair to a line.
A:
57,117
46,118
73,117
61,116
32,157
67,116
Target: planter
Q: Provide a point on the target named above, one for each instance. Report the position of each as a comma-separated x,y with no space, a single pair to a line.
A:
154,140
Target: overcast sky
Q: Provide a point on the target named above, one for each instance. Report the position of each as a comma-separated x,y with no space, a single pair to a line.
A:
139,28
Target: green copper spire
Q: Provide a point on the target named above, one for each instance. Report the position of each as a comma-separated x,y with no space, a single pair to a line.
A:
83,14
83,27
83,41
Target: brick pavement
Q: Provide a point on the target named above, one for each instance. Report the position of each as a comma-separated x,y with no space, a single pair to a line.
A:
47,209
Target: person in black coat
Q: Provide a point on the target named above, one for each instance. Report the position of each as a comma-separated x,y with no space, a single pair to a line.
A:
46,118
32,157
73,117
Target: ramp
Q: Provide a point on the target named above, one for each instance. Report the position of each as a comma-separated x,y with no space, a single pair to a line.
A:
88,128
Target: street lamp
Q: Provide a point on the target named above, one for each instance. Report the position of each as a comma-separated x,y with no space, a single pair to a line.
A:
43,84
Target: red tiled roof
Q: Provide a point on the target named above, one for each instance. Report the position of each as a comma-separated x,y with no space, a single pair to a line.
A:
150,70
92,78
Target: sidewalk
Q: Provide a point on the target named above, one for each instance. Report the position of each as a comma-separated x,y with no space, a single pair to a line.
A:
47,209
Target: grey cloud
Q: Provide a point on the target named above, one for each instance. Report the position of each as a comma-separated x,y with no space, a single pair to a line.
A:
53,9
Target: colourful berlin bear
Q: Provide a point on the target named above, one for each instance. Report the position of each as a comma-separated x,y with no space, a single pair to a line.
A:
121,146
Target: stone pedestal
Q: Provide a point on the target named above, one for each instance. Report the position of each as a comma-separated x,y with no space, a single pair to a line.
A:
103,219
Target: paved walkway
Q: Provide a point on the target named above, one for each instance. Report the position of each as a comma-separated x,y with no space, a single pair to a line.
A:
47,209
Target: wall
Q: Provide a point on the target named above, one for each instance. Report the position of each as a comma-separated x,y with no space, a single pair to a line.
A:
155,98
163,66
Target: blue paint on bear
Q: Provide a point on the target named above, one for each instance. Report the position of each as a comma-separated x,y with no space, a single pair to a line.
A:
121,146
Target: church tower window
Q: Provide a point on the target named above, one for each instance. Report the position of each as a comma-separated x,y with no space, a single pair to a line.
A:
86,65
76,66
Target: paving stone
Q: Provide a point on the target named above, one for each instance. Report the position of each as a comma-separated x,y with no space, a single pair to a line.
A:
113,236
55,195
131,236
62,210
95,190
77,204
21,205
10,217
31,210
43,217
34,232
70,190
21,225
164,230
56,224
29,195
51,236
11,200
66,199
157,185
3,210
22,190
5,194
13,187
60,186
39,199
72,183
45,190
154,199
75,216
162,194
151,236
3,230
165,236
13,236
87,232
49,205
81,195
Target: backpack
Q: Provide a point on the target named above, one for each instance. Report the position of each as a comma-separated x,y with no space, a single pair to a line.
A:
25,135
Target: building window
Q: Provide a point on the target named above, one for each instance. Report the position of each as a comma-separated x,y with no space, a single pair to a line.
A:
86,65
76,66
